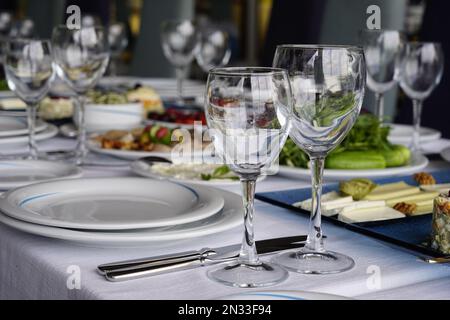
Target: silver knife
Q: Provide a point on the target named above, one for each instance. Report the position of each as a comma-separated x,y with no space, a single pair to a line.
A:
445,259
204,257
187,260
261,246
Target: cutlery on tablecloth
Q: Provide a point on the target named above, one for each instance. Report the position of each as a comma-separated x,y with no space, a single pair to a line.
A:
139,268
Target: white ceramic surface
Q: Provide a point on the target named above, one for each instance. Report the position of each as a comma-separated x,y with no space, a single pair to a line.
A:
17,173
301,173
402,134
229,217
110,203
15,126
48,133
104,117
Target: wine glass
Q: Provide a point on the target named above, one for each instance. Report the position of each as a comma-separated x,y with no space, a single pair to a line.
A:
421,71
81,57
248,112
328,89
383,50
214,49
29,73
118,41
180,43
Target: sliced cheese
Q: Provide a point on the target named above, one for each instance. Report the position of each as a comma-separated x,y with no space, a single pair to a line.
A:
363,205
376,194
370,214
442,187
337,203
307,204
12,104
420,210
422,196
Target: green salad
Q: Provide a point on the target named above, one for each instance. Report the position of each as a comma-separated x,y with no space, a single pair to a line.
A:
4,85
365,147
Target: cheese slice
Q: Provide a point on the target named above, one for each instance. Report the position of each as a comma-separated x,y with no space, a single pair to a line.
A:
422,196
12,104
357,205
337,203
370,214
442,187
307,204
390,191
424,209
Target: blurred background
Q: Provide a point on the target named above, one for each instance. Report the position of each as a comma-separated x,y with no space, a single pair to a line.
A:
254,28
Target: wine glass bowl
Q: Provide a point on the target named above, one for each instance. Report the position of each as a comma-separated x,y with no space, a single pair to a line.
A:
214,49
383,51
180,43
328,84
248,113
29,73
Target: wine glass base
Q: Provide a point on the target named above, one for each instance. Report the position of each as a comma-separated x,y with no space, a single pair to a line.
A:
310,262
248,276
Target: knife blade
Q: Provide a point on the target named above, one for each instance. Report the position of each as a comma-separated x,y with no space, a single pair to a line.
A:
260,247
201,258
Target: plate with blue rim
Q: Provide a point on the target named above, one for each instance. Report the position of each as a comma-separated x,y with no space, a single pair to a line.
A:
110,203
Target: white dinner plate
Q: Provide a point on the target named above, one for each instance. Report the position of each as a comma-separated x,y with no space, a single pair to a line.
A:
445,154
402,134
143,169
172,125
48,133
130,154
110,203
301,173
15,126
17,173
283,295
229,217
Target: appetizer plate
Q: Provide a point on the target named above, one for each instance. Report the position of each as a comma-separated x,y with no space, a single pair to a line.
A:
17,173
144,169
402,134
283,295
173,125
229,217
15,126
110,203
445,154
337,174
48,133
130,154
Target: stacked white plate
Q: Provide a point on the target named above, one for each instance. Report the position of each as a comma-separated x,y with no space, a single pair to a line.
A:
119,211
14,130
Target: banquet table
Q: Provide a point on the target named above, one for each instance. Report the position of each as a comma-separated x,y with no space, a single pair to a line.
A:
34,267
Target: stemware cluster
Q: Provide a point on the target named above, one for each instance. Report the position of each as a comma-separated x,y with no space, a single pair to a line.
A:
416,66
78,56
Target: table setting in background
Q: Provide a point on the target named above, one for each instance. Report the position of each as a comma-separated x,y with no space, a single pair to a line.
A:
262,183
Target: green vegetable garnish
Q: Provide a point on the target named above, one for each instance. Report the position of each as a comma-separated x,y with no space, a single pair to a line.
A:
221,172
357,188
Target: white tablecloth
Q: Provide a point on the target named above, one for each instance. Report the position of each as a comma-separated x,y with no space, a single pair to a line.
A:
33,267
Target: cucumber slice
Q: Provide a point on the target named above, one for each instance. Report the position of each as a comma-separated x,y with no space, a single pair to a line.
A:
355,160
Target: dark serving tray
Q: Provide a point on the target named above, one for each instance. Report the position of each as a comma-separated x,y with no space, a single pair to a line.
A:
410,233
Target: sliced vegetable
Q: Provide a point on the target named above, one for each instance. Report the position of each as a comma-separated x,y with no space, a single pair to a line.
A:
354,160
357,188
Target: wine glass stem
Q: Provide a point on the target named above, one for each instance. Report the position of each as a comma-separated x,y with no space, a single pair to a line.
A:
81,143
379,111
248,253
180,73
314,241
31,118
417,114
113,67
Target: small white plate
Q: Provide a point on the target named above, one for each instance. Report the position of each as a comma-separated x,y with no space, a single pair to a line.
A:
283,295
229,217
17,173
48,133
445,154
402,134
15,126
110,203
131,154
143,169
301,173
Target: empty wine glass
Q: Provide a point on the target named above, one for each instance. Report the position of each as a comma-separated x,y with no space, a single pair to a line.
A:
118,41
248,112
383,50
214,49
81,57
328,89
180,42
29,72
421,71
